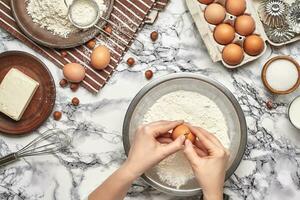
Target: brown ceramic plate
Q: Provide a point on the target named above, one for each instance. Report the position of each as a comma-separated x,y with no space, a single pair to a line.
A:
43,100
47,38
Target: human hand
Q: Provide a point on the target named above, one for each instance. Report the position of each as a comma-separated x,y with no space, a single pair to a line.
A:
152,143
208,159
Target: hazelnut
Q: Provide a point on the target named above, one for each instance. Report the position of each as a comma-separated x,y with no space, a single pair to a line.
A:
269,104
63,53
130,62
148,74
91,44
154,36
63,83
74,87
75,101
108,29
57,115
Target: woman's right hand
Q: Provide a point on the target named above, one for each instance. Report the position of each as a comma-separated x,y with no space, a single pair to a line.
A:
208,159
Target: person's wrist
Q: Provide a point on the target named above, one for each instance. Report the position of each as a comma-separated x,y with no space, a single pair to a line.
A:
215,195
131,169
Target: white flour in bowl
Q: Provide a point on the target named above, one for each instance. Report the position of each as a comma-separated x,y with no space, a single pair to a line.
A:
53,15
196,109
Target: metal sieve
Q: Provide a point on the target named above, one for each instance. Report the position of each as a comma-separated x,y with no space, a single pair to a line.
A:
94,22
237,128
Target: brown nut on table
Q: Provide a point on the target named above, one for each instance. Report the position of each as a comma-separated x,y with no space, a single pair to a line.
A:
74,87
269,104
205,1
154,36
108,29
148,74
57,115
63,53
130,61
75,101
63,83
91,44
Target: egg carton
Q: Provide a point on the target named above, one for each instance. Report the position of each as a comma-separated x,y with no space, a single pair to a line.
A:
206,30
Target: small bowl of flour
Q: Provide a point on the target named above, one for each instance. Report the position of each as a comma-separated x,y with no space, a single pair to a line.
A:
53,15
199,101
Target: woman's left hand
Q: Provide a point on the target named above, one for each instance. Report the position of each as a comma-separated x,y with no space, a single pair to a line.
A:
152,143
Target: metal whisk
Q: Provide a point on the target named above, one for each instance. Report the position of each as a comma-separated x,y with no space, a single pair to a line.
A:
51,141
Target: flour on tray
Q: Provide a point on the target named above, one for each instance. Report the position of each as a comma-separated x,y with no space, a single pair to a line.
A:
52,15
196,109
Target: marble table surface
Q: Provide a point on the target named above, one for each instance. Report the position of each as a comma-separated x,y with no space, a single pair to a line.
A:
271,165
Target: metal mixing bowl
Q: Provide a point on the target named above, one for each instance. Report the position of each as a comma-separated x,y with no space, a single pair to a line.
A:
237,128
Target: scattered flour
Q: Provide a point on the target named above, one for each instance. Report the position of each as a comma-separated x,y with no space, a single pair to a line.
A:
196,109
175,170
53,15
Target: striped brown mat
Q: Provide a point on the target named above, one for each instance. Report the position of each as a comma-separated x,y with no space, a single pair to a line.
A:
128,14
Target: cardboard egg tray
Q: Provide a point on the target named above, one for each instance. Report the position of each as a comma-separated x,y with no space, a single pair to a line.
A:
206,30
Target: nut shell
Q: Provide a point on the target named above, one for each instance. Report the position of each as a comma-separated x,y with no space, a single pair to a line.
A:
63,83
75,101
57,115
154,36
205,1
148,74
74,87
130,62
91,44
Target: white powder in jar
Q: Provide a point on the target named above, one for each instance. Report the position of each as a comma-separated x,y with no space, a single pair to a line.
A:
196,109
83,12
52,15
282,75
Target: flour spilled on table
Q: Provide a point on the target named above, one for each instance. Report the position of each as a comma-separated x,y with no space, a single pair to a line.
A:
196,109
53,15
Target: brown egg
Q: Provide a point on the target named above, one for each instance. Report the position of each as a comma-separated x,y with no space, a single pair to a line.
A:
205,1
183,130
233,54
224,34
253,45
235,7
74,72
214,13
100,57
244,25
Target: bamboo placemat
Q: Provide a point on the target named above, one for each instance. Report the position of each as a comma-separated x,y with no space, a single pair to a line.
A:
128,14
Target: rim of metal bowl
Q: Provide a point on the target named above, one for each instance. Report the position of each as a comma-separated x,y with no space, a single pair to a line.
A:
223,89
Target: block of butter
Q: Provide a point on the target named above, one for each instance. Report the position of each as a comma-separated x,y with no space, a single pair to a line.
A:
16,92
